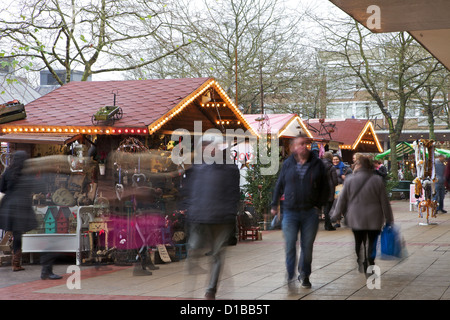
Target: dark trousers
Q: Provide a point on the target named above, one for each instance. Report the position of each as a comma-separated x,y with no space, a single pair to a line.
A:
326,212
17,241
212,238
365,247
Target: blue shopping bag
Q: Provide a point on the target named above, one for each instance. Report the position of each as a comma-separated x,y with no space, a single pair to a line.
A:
391,242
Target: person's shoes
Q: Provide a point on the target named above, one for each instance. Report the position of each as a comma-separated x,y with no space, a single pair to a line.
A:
330,228
305,283
148,263
194,269
210,295
139,270
360,267
17,261
443,211
47,273
50,276
291,286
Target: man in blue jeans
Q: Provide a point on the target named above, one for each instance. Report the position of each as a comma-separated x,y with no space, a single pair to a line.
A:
303,181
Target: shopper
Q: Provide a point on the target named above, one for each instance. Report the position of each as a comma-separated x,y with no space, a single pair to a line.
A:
440,184
364,203
333,182
342,169
380,169
16,211
303,181
447,175
213,196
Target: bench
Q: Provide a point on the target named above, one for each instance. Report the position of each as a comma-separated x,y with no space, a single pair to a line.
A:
403,186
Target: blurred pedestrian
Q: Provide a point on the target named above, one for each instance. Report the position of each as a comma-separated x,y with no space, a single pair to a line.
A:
303,181
213,195
333,182
16,210
365,205
342,171
440,184
380,169
447,175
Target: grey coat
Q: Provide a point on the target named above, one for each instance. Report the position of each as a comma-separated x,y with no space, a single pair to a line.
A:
364,202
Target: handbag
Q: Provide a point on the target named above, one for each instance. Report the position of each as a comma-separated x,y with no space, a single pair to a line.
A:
391,242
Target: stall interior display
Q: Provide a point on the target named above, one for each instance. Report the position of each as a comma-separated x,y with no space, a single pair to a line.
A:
128,214
135,212
64,183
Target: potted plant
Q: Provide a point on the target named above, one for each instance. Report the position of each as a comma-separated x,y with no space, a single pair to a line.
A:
259,188
102,162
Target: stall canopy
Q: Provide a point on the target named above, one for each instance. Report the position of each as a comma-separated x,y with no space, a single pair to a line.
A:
146,107
37,138
402,149
407,148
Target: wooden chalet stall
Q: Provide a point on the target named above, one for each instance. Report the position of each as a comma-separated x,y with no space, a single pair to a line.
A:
355,135
284,125
289,125
127,127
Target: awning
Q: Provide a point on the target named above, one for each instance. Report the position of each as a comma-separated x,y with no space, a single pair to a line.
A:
36,138
407,148
402,149
445,152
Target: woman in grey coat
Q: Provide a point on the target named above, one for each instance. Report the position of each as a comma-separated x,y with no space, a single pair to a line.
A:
365,205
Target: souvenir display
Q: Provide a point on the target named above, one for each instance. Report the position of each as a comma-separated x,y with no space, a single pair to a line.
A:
425,181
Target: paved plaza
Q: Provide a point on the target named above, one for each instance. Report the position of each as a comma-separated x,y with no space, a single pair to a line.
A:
255,271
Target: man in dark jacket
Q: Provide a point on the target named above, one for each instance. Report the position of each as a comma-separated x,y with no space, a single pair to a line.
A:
212,200
303,181
332,182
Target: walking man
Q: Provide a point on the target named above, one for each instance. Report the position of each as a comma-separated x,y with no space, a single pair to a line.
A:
303,181
213,201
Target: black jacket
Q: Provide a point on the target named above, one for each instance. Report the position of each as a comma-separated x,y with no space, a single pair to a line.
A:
332,177
16,209
302,194
212,193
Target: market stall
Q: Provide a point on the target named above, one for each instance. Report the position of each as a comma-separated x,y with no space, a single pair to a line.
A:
111,184
354,135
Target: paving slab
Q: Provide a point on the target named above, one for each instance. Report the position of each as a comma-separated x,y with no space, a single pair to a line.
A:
255,271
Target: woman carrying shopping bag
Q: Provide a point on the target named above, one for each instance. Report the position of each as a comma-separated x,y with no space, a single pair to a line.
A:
365,204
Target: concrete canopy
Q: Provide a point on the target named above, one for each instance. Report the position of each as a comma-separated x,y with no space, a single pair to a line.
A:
426,21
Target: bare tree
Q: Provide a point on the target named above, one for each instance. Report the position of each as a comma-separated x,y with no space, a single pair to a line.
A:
432,97
250,46
97,36
387,65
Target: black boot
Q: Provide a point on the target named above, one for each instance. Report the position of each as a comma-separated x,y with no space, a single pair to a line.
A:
147,262
139,270
47,273
47,261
